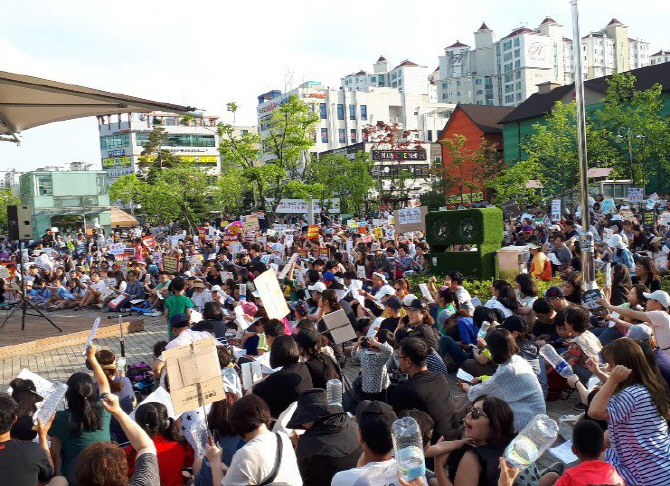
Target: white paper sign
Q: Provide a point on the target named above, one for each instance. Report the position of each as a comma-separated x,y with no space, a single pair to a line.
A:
564,453
464,376
251,373
374,327
635,195
159,395
287,267
91,335
426,293
271,295
42,385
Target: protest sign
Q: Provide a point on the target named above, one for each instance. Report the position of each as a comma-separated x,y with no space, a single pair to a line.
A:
374,327
591,300
339,326
117,248
635,195
250,223
313,232
42,385
556,210
91,335
360,271
287,267
171,264
410,219
426,294
510,209
324,252
271,295
649,218
366,239
378,232
148,241
159,395
194,374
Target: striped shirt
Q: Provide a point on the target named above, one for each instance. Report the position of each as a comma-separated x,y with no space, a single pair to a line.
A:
639,442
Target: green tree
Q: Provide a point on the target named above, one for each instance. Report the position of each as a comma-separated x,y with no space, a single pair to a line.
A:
7,198
634,127
468,168
290,134
512,183
126,190
155,156
553,146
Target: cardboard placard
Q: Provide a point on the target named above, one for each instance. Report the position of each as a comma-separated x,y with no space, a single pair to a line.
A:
339,326
171,264
410,219
271,295
510,209
250,223
194,374
324,253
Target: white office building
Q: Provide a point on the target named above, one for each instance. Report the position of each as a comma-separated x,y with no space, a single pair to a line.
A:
509,70
9,179
122,140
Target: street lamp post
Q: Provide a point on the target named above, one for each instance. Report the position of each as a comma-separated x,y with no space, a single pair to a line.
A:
586,238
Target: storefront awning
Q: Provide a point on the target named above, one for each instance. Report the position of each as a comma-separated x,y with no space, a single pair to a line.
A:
27,102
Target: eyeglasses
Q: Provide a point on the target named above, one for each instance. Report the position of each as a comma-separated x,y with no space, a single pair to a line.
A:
475,412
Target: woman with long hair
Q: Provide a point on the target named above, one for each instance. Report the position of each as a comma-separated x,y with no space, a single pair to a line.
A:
526,290
647,274
473,460
621,284
119,386
503,297
634,400
572,287
84,422
173,451
25,394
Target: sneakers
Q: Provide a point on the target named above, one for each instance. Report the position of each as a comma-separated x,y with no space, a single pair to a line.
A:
155,313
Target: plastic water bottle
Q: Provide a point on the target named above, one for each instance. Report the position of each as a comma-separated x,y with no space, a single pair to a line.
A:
334,392
243,291
408,449
483,330
532,441
49,405
556,360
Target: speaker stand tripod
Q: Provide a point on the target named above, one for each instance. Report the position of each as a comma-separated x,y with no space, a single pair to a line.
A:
25,304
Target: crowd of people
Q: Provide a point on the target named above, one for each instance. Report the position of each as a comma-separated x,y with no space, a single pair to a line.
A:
411,342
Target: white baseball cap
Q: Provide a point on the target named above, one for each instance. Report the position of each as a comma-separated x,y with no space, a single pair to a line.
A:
660,296
317,287
407,300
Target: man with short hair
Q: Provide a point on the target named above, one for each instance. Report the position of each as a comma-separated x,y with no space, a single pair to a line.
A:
556,298
377,465
425,390
24,463
180,325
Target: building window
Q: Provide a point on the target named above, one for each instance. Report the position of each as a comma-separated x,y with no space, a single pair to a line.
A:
479,92
517,75
517,64
322,107
364,112
340,111
341,135
114,141
353,135
352,112
430,135
324,135
101,181
44,185
373,79
244,132
364,134
479,81
181,140
458,83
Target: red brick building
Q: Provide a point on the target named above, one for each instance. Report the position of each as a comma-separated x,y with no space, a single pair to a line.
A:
475,123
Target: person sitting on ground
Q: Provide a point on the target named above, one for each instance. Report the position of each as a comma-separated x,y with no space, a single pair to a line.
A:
588,443
266,457
330,442
105,463
376,466
425,390
321,366
25,394
373,353
24,462
173,451
514,381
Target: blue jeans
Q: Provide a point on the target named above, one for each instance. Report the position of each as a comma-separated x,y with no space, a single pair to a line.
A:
453,349
606,335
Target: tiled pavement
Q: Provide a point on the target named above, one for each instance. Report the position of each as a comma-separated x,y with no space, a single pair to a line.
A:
59,364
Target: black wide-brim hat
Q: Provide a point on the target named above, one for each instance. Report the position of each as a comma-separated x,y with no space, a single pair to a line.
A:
312,406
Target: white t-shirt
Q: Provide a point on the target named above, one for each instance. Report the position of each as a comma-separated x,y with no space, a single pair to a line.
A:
254,462
372,474
187,336
660,323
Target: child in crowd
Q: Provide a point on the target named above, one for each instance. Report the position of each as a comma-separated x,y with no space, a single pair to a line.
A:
177,303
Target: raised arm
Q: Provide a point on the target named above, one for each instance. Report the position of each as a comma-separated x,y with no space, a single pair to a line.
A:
138,438
633,314
100,377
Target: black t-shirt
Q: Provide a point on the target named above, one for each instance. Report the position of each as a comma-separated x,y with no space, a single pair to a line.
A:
23,463
429,392
390,323
540,329
212,280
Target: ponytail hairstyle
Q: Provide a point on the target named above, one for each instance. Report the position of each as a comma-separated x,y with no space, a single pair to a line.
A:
154,420
107,360
80,398
330,296
25,396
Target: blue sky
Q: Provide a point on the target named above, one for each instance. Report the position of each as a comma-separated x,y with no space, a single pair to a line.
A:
206,53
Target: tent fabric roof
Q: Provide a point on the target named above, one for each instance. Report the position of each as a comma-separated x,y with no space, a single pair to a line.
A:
540,104
28,102
121,219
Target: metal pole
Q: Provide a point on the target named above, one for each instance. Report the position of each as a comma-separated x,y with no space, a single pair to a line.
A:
586,238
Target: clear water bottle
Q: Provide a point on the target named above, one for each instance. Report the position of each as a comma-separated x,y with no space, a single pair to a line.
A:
556,360
243,291
408,449
334,392
483,330
52,400
532,441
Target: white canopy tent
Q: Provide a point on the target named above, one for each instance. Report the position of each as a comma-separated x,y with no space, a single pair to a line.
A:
27,102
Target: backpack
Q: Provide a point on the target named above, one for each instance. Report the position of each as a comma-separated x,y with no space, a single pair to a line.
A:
140,376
